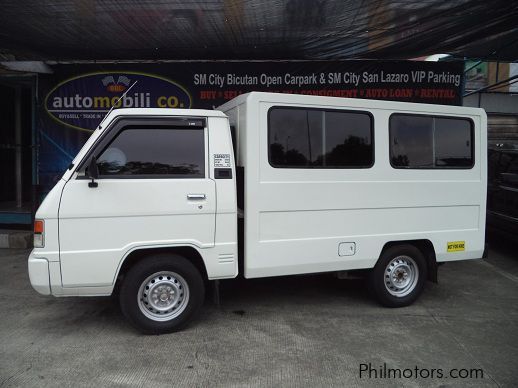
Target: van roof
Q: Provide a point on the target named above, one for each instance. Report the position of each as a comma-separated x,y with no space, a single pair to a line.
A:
302,99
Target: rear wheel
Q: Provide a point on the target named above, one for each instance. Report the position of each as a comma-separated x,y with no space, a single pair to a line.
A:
161,294
399,276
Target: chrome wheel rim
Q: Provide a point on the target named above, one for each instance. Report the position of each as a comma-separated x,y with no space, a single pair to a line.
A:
401,276
163,296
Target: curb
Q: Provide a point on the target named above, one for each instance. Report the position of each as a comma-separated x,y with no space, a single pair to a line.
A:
15,239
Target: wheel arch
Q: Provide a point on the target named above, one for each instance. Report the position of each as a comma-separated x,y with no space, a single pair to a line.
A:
427,249
139,254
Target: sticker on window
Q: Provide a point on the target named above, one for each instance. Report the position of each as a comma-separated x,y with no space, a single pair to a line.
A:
456,246
221,160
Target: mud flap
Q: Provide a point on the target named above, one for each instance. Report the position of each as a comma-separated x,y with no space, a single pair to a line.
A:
432,271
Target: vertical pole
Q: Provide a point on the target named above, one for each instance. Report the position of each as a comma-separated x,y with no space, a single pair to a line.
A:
497,71
433,142
216,293
34,148
18,143
324,160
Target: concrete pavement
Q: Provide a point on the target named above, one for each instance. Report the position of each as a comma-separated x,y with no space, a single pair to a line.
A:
290,332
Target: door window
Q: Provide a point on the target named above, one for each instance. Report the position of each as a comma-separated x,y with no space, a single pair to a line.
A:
148,152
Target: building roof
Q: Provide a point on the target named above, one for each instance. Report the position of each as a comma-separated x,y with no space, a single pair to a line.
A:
237,29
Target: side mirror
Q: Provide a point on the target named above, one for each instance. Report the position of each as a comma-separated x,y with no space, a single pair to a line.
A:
93,172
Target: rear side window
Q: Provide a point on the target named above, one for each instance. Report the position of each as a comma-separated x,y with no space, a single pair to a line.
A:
430,142
175,153
507,169
315,138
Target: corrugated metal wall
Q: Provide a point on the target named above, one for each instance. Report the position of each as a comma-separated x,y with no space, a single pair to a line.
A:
502,127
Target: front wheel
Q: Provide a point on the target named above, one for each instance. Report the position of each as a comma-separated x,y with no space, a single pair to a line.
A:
399,276
161,294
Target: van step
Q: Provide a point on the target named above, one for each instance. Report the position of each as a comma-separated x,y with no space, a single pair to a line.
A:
20,239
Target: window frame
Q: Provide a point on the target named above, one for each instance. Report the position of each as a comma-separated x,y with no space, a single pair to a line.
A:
472,135
126,122
364,112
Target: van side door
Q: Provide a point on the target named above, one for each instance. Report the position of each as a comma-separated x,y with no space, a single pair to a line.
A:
153,190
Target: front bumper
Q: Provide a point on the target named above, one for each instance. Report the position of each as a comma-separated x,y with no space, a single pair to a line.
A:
39,275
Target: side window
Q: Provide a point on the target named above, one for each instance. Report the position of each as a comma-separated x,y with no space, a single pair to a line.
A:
430,142
509,176
174,153
411,141
453,143
493,159
513,166
295,137
315,138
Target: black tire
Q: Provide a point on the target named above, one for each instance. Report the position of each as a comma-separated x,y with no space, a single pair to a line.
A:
188,291
403,259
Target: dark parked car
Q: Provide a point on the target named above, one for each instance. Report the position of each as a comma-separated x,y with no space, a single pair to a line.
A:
502,190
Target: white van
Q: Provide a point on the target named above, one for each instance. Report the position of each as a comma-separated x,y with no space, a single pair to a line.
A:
152,204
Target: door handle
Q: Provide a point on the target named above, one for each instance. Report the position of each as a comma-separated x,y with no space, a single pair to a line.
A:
196,197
